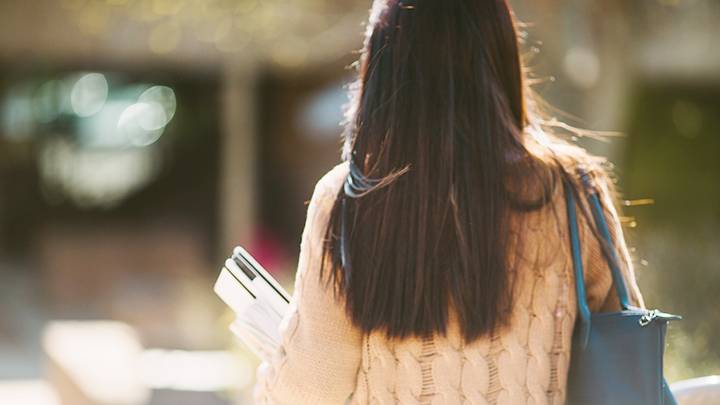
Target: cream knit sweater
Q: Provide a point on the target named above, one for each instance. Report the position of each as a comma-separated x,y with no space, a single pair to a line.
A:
324,359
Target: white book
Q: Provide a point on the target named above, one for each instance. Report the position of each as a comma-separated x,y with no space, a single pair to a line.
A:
258,300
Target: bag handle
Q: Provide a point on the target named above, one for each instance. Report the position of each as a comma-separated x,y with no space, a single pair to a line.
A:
609,247
582,306
608,252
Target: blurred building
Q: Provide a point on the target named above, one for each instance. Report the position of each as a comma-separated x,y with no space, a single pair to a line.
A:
141,139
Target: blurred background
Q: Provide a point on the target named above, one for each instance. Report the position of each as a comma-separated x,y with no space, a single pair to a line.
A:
141,139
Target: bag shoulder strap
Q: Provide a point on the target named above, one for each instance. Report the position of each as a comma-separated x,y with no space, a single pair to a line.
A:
609,247
608,252
582,307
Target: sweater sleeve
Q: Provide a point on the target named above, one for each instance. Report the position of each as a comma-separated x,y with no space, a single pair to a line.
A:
320,354
601,293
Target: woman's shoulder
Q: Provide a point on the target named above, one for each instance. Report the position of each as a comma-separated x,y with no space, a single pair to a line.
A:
331,182
573,158
328,186
577,163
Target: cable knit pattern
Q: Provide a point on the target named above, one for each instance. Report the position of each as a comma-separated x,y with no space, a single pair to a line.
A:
324,359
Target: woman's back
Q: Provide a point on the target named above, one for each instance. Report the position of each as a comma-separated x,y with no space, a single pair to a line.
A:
435,266
325,358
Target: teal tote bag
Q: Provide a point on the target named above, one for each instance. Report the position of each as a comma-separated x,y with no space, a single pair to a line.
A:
617,357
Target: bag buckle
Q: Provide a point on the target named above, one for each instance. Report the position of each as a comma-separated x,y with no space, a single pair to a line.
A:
647,317
652,314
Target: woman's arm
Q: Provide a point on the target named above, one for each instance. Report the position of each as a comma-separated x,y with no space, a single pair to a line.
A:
319,358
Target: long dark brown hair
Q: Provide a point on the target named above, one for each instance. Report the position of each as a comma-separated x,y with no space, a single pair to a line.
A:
436,141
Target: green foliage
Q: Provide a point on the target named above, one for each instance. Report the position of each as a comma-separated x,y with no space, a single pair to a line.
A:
673,157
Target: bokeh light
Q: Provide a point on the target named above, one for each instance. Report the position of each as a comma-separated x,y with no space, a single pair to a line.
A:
582,66
164,96
141,124
89,94
50,100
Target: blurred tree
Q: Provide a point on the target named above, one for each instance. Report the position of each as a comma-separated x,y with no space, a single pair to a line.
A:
673,157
